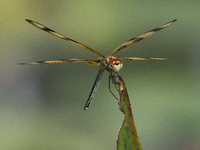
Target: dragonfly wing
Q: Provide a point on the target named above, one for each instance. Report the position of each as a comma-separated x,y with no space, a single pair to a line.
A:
94,63
40,26
89,62
139,38
94,88
137,58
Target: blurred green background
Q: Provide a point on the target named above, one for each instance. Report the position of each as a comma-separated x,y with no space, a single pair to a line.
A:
41,106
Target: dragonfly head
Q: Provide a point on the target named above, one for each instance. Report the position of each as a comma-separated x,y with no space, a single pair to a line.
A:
115,64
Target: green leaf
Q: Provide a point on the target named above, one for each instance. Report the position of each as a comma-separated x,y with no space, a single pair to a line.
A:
127,136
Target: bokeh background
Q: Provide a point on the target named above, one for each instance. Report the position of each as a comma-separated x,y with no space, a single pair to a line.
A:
41,106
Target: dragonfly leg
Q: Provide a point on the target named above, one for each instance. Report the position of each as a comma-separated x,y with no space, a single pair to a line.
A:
116,83
113,78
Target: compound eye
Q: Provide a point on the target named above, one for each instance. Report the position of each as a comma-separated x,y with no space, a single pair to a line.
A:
115,62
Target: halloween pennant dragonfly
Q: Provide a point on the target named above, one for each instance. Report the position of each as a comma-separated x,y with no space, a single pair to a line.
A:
110,63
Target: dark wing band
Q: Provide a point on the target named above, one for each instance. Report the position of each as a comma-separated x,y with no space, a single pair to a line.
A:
40,26
89,62
137,58
139,38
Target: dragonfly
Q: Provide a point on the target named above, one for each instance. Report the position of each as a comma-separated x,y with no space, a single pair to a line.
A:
109,63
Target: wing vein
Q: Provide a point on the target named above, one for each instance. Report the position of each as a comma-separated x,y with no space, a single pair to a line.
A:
40,26
138,38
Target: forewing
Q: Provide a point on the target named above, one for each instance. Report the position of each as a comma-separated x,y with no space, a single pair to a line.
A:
94,63
89,62
40,26
137,58
139,38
